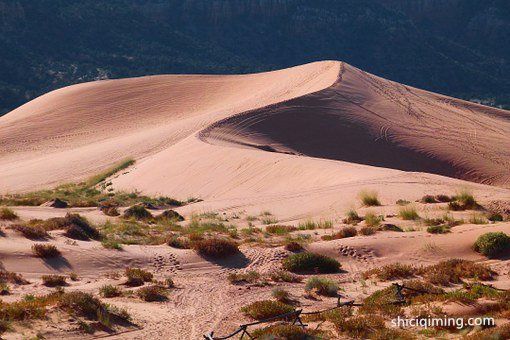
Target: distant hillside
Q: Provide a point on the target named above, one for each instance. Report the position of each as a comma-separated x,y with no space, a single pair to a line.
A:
457,47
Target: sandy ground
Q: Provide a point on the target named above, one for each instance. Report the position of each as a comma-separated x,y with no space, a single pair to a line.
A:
300,143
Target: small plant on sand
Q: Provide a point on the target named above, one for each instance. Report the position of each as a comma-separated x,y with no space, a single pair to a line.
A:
408,213
322,286
215,247
454,270
428,199
438,229
7,214
307,225
293,246
109,291
394,271
342,233
311,262
492,244
278,229
372,220
31,232
53,280
137,277
367,231
248,277
402,202
283,331
137,212
464,200
280,294
369,198
477,218
111,244
495,217
264,309
179,242
285,276
4,288
45,250
152,293
352,217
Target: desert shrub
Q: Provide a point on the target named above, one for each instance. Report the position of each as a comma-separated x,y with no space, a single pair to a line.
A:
360,326
169,282
138,212
477,219
73,276
293,246
492,244
269,220
264,309
311,262
408,213
7,214
31,232
454,270
45,250
342,233
280,294
369,198
4,288
391,227
179,242
322,286
433,221
53,280
248,277
75,226
278,229
111,244
428,199
152,293
372,220
170,215
402,202
12,277
394,271
80,303
109,208
215,247
464,200
284,276
495,217
109,291
438,229
352,217
367,231
285,331
137,276
443,198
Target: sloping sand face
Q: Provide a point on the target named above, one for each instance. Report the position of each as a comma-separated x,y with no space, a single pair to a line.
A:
285,139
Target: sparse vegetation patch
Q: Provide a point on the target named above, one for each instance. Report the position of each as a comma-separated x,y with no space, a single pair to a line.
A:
311,262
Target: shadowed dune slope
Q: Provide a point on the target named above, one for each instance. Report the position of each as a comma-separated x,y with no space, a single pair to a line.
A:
369,120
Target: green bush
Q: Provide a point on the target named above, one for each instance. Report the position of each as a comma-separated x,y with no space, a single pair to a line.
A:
109,291
215,247
311,262
264,309
438,229
492,244
137,277
152,293
138,212
322,286
408,213
31,232
8,214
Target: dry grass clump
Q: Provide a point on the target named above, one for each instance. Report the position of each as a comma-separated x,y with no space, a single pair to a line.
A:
477,218
492,244
464,200
342,233
137,277
31,232
322,286
12,277
7,214
137,212
394,271
369,198
402,202
360,326
179,242
311,262
278,229
45,250
215,247
53,280
76,227
285,276
293,246
264,309
111,244
281,295
152,293
170,215
367,231
408,213
109,291
372,220
495,217
248,277
286,331
390,227
495,333
438,229
454,270
428,199
352,217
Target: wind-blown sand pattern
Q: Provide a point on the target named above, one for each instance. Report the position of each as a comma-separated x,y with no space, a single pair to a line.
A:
300,143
